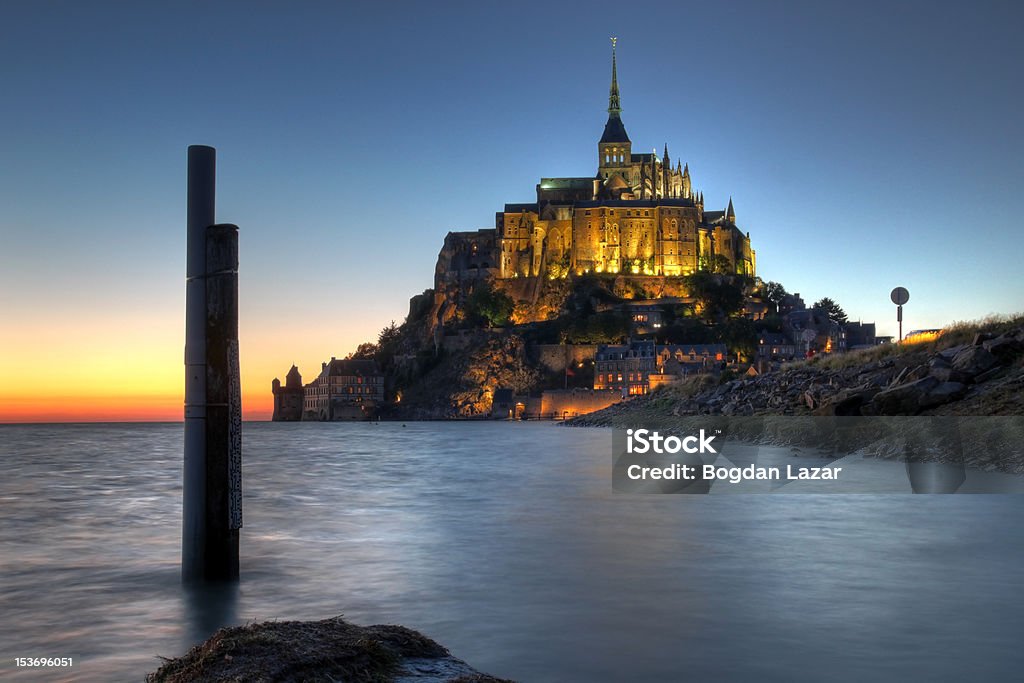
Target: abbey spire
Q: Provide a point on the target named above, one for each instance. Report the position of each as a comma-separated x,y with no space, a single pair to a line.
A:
614,150
613,93
614,131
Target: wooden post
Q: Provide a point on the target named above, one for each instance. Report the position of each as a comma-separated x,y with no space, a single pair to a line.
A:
223,405
211,496
202,162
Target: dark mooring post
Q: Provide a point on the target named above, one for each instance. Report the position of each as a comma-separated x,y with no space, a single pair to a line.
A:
212,510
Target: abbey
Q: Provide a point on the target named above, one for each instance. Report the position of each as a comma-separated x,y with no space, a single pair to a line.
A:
637,215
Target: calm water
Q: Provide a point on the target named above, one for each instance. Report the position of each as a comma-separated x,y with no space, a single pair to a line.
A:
505,543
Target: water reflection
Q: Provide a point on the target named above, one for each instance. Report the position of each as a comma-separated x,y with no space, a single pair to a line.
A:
208,607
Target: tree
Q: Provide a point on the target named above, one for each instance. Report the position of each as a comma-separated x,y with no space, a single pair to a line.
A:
365,351
717,297
489,305
831,310
387,344
558,268
384,350
389,334
773,322
720,264
686,331
740,335
608,327
774,293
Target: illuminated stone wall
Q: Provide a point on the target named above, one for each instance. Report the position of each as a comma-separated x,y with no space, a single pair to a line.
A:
640,240
560,403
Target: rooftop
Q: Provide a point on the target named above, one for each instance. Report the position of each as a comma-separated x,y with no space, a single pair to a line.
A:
614,131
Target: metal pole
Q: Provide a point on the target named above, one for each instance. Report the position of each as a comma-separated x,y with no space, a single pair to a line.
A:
899,319
201,198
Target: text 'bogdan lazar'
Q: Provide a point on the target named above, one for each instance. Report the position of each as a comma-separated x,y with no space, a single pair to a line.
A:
643,441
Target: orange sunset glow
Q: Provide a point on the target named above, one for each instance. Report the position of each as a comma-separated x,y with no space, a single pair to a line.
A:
82,370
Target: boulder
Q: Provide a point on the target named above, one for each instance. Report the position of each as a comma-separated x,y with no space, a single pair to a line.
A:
974,360
913,397
951,353
328,650
917,373
944,393
882,379
992,374
946,373
905,399
899,377
1005,348
848,406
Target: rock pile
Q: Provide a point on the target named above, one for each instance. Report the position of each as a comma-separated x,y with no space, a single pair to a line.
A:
983,377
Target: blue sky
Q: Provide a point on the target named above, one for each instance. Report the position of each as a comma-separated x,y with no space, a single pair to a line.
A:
865,145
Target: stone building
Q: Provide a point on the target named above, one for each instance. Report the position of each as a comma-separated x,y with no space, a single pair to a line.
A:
860,335
673,362
638,214
814,332
639,366
288,398
645,317
688,359
624,367
776,347
344,390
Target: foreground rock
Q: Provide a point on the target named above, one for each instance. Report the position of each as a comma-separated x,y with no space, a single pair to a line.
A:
328,650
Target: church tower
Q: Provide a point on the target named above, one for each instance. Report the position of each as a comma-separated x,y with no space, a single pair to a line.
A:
613,150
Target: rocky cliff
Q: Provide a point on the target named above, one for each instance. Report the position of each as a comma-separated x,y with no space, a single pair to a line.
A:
460,383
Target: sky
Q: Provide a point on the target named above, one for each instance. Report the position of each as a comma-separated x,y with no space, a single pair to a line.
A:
865,145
